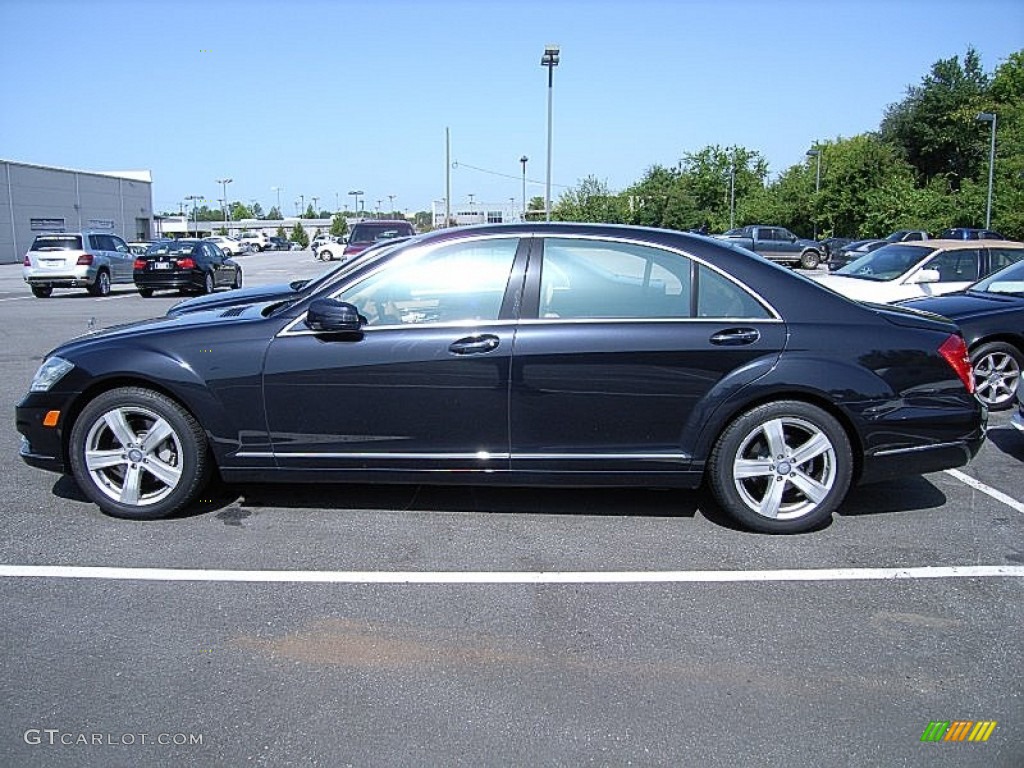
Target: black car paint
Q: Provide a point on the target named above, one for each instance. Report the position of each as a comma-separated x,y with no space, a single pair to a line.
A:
252,389
209,261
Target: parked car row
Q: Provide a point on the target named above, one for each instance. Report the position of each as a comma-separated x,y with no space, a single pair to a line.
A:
853,250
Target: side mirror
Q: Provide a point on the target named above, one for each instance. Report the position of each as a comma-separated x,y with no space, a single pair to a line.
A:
333,316
926,276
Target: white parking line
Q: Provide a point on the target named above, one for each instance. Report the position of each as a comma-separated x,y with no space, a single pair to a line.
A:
509,577
18,298
988,490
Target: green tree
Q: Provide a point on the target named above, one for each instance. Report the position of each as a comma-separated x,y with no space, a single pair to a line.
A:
309,213
1006,101
257,211
423,221
299,235
274,214
339,225
240,211
534,209
935,127
281,232
590,201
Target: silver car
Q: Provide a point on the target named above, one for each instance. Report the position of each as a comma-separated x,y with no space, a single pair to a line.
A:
90,260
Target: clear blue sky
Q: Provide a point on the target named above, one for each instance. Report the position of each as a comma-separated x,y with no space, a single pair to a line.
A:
320,98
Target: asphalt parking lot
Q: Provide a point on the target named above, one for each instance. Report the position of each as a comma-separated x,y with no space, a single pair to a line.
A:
354,625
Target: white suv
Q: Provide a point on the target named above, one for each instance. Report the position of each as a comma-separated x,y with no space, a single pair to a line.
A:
90,260
255,240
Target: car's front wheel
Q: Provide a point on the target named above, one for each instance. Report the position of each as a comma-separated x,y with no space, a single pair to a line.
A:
238,280
208,284
138,454
997,370
781,467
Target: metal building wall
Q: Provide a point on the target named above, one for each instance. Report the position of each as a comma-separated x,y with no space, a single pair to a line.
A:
36,198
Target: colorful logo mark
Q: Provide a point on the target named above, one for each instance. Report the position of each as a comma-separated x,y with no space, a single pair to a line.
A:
958,730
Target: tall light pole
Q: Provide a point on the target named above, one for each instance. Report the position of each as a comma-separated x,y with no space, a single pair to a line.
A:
989,117
195,215
391,202
224,186
549,60
816,153
732,196
278,190
378,208
302,207
316,208
356,193
524,159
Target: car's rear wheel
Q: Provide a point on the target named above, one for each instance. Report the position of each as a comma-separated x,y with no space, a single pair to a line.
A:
781,467
42,291
997,370
138,454
145,292
238,280
810,260
101,285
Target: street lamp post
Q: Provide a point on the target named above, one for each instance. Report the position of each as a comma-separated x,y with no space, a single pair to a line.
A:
391,202
356,193
549,60
816,153
278,190
302,205
195,214
524,160
989,117
316,207
732,196
224,186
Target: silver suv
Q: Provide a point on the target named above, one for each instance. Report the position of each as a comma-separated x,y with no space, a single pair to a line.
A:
90,260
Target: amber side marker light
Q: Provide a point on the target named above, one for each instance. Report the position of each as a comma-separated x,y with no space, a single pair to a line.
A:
51,418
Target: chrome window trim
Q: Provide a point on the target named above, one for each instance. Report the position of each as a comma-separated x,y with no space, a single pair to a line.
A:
634,320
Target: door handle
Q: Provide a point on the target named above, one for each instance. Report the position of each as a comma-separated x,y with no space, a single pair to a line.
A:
733,337
474,345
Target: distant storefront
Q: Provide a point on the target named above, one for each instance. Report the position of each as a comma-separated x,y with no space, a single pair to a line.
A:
39,198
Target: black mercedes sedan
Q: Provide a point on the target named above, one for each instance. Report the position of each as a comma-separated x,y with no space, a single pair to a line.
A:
990,314
189,266
526,354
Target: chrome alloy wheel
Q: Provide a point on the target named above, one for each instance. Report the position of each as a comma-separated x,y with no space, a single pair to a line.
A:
133,456
996,377
784,468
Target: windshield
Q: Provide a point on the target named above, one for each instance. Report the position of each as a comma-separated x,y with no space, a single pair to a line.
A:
1009,280
887,263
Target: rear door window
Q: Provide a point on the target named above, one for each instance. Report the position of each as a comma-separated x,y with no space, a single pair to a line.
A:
1004,257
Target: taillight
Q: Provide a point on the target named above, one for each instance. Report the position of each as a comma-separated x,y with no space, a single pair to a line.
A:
187,263
140,264
85,260
954,350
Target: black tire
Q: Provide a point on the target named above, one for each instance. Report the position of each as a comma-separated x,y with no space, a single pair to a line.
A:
743,473
238,280
42,291
208,283
997,373
169,474
810,259
101,285
146,293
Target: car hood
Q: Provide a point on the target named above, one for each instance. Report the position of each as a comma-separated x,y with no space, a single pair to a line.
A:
234,298
960,306
855,288
157,326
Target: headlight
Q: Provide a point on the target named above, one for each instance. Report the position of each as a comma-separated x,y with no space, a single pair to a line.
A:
49,373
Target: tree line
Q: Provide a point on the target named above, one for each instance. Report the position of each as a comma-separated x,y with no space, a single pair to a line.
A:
925,167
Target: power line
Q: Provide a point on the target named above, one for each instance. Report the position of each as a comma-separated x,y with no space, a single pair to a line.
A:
457,164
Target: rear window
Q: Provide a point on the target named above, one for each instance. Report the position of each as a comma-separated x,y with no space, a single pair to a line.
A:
172,248
57,243
373,232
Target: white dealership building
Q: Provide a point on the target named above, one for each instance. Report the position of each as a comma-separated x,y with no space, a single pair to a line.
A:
40,198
